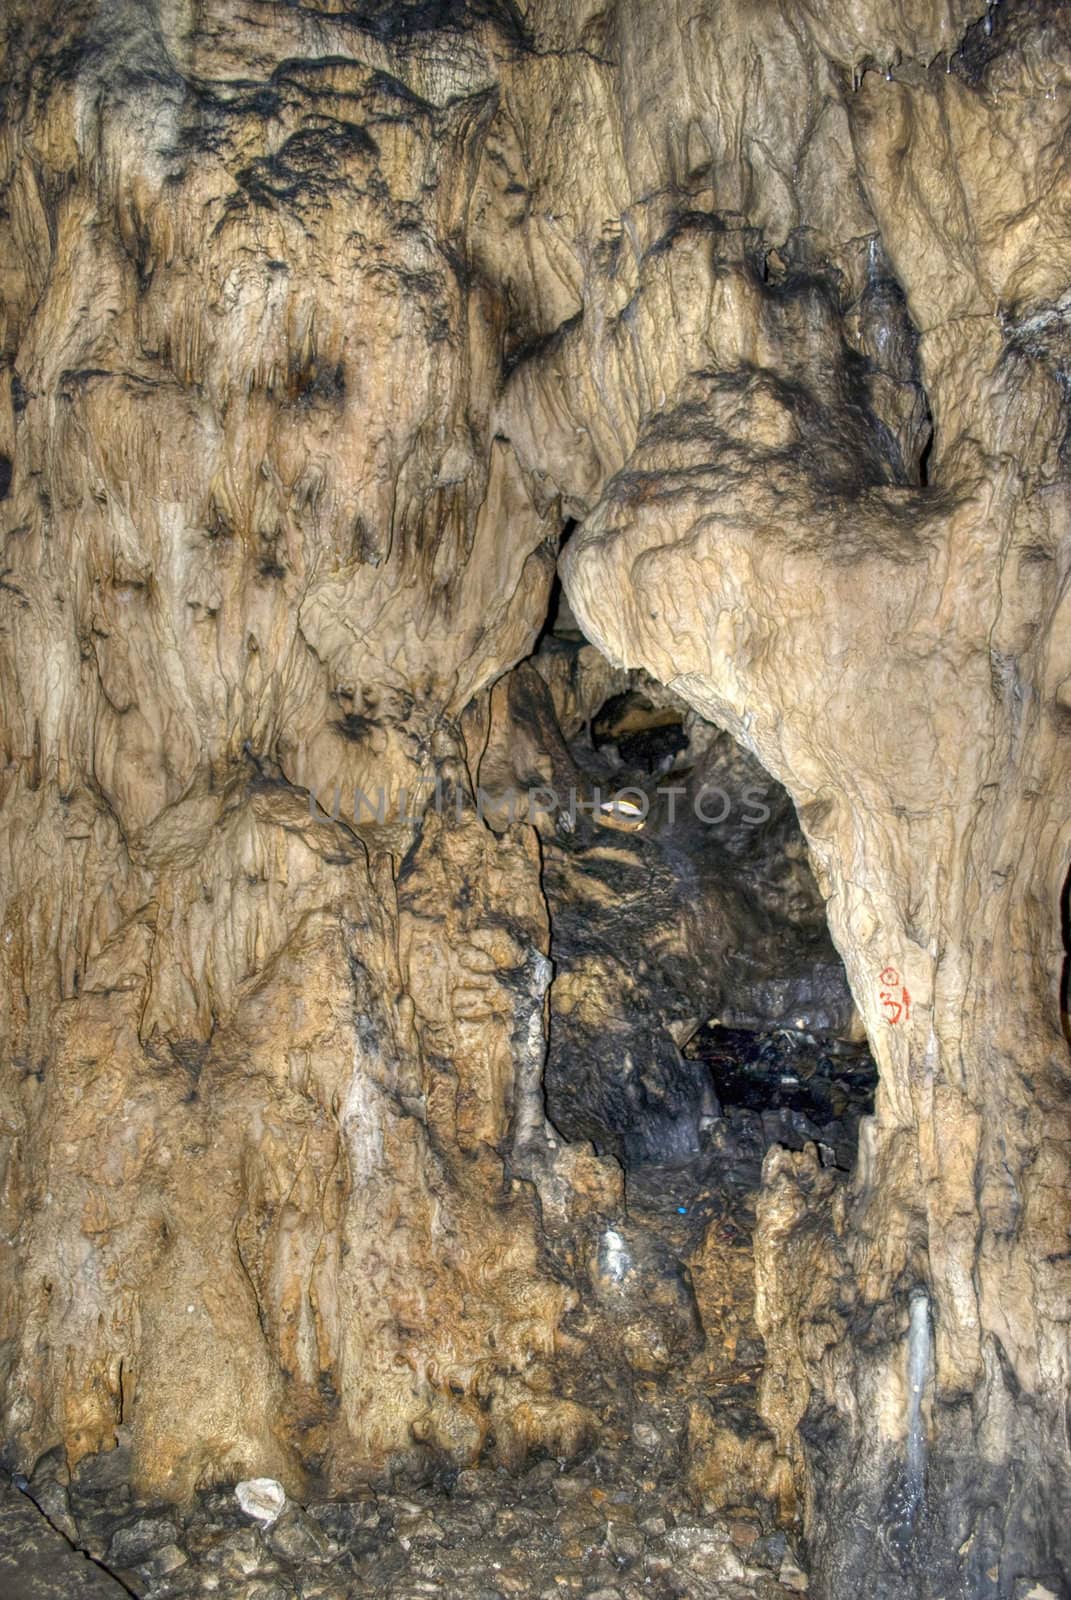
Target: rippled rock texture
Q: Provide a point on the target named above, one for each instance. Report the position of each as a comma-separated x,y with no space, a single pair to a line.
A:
320,326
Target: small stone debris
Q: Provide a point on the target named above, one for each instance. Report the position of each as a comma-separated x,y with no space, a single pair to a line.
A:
134,1542
603,1530
793,1577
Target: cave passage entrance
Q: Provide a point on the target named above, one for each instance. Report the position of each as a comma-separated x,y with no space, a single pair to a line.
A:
698,1006
699,1015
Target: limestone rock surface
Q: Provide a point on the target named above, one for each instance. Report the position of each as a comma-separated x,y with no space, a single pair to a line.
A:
324,332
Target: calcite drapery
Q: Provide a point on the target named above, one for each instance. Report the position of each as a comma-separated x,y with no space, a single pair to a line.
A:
254,566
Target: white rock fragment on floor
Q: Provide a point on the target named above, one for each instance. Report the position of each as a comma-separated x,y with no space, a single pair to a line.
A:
261,1498
793,1577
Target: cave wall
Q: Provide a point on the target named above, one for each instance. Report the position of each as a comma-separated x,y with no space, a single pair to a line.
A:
261,547
735,552
317,325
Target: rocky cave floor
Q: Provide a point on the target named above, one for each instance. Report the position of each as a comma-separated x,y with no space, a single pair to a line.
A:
606,1528
620,1523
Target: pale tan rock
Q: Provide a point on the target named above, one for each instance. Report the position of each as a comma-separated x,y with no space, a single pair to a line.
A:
729,1465
894,658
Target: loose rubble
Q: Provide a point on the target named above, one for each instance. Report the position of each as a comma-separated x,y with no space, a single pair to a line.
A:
606,1529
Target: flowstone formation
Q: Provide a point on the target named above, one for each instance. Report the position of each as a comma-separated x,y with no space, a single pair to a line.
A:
338,1099
888,630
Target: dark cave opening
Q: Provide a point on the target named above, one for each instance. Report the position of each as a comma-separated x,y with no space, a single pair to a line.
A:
925,454
698,1017
699,1012
1065,972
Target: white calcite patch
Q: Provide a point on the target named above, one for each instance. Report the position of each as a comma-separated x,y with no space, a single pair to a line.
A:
263,1499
